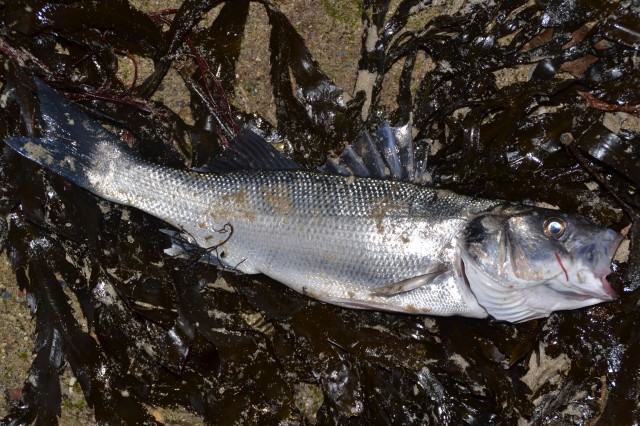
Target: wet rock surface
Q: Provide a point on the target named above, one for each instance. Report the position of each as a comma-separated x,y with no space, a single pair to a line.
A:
524,101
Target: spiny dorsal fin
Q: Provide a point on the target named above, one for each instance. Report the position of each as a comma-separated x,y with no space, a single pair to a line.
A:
249,151
387,154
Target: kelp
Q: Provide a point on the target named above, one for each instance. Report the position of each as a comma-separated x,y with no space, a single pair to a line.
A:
525,101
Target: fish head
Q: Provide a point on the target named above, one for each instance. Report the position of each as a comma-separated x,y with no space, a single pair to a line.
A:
524,263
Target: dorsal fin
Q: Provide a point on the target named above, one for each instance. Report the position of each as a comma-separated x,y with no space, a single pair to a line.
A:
387,154
249,151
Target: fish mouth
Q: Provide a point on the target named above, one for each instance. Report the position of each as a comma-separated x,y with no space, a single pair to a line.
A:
606,286
606,249
613,240
593,285
605,294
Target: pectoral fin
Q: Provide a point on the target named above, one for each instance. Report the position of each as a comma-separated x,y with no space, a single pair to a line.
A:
411,283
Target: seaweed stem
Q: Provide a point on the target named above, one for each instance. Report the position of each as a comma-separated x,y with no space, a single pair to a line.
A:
598,104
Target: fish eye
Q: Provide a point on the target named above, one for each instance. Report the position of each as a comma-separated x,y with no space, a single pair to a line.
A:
554,227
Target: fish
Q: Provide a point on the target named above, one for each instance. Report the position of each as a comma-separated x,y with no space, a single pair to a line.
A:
365,231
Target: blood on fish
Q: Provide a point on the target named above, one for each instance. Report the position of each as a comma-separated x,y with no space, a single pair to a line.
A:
562,266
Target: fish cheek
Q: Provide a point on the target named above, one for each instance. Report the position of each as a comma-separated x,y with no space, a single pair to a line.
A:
532,255
522,256
483,243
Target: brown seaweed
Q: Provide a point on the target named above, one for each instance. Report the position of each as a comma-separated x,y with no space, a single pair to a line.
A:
525,101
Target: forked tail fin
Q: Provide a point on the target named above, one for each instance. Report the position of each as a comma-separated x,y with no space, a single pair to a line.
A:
75,146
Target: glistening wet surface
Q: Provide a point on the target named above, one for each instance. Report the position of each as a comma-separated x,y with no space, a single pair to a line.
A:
525,101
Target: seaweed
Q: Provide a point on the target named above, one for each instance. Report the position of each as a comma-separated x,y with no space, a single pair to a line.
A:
524,101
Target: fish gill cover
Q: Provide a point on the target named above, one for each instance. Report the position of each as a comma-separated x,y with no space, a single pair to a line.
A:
532,101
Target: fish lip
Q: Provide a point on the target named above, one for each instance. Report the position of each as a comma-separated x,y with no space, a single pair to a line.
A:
608,289
605,292
611,240
615,241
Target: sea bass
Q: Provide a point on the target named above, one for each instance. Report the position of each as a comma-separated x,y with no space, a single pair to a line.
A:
341,237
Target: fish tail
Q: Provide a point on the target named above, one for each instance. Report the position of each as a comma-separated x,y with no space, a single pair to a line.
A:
74,162
74,145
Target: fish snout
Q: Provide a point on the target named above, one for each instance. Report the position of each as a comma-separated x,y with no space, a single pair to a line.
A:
607,244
